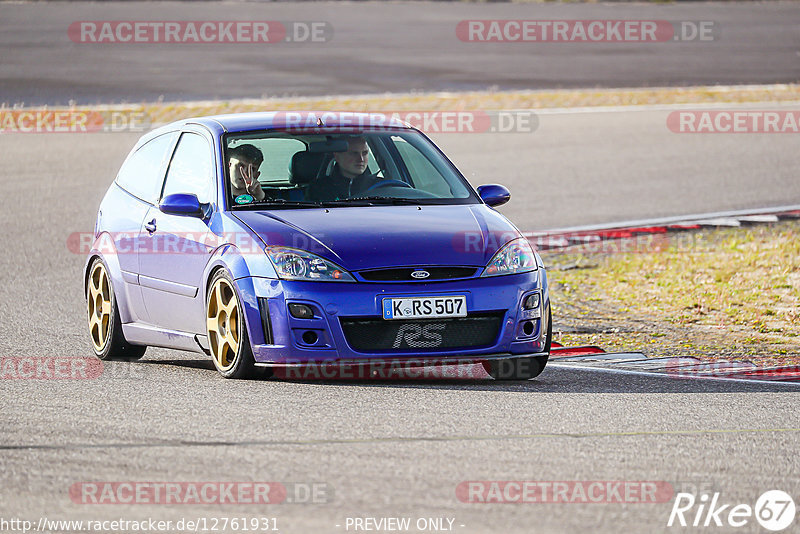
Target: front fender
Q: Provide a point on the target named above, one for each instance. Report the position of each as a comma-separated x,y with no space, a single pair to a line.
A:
239,264
242,266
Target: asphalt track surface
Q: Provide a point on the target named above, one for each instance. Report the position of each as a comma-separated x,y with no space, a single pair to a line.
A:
395,447
392,448
380,47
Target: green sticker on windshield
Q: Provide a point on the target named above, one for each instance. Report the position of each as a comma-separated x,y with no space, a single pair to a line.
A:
243,199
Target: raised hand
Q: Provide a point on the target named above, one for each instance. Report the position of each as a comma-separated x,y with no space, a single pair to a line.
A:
250,176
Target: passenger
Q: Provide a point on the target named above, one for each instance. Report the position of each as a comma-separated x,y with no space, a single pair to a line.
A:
349,178
244,161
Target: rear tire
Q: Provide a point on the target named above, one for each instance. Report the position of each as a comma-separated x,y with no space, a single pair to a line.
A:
105,326
522,368
226,329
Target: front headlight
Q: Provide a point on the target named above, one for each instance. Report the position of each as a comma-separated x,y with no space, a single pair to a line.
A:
515,257
295,264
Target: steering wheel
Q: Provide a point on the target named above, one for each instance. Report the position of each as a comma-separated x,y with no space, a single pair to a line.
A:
387,183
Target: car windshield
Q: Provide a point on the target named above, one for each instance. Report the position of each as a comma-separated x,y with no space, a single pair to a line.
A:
294,170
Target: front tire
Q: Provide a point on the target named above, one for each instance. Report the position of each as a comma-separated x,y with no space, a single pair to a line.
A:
522,368
226,330
105,326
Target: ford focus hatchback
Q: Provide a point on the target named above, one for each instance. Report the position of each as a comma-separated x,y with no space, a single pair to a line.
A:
272,241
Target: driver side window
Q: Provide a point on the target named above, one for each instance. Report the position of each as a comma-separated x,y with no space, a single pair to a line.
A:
191,169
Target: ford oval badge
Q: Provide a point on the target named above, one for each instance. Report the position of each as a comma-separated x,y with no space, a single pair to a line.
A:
419,275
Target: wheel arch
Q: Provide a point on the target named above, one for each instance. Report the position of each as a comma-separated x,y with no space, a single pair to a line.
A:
87,267
230,259
103,249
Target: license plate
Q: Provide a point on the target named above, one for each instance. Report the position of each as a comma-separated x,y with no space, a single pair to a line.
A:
425,307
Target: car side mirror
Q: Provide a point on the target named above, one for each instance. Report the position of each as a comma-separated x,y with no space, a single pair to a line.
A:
181,204
494,194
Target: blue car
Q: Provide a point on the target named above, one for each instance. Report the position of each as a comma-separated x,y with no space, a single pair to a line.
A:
275,241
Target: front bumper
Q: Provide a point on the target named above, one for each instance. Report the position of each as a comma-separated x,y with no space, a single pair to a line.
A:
283,340
390,368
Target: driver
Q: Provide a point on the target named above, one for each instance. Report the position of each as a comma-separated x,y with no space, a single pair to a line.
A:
349,178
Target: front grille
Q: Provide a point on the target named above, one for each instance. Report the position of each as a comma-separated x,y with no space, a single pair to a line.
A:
368,334
403,274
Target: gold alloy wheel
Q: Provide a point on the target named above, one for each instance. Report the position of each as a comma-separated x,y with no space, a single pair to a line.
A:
222,323
98,306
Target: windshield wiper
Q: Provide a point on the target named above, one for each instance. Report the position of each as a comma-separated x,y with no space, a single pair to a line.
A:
285,203
373,200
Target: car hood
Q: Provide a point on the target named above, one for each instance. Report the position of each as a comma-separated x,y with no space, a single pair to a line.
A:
374,237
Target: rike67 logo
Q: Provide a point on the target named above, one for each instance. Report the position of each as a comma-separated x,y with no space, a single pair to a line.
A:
774,510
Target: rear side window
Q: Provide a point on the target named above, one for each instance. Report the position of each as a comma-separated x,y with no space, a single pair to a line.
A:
142,174
191,169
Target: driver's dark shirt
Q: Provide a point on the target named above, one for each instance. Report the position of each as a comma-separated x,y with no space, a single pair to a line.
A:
336,186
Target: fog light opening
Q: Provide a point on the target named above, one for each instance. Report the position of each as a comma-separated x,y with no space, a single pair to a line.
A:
301,311
531,302
527,328
310,337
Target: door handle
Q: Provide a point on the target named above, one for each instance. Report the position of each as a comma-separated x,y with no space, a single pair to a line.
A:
151,226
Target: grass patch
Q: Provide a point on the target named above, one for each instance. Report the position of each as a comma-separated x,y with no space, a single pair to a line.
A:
732,292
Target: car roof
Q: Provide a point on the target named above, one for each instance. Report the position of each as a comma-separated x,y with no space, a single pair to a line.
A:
282,120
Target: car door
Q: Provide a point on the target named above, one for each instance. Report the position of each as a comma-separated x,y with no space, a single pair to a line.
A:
174,252
141,178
